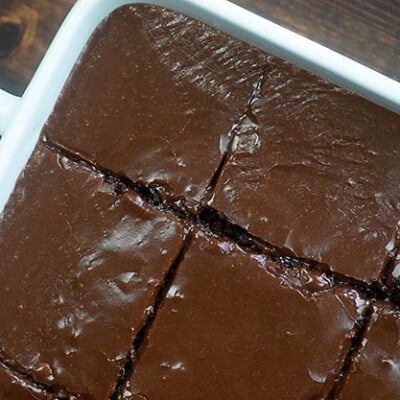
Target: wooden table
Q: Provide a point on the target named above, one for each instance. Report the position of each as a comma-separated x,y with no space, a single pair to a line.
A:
366,30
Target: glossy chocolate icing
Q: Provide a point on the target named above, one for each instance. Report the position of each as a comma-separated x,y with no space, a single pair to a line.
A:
314,169
86,262
230,329
375,374
154,97
12,389
80,268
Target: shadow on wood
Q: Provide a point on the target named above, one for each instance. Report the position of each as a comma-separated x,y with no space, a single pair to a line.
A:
26,29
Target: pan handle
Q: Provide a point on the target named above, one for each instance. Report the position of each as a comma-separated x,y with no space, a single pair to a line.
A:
8,104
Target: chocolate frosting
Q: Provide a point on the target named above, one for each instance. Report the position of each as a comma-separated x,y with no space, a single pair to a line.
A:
11,388
230,329
375,374
314,169
154,96
80,270
105,293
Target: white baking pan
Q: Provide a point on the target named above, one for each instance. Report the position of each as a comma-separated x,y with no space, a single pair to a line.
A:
21,119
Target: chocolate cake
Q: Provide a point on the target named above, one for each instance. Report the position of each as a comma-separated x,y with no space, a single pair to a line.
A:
157,88
323,166
375,374
200,219
13,388
241,332
81,267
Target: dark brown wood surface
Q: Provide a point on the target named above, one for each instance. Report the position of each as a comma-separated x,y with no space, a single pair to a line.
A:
26,29
366,30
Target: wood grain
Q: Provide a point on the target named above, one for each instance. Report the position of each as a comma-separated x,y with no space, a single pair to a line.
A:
26,30
366,30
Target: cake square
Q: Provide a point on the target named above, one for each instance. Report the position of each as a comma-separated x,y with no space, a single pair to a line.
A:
154,97
231,327
314,170
80,270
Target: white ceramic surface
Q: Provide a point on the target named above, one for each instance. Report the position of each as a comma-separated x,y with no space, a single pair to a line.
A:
22,119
